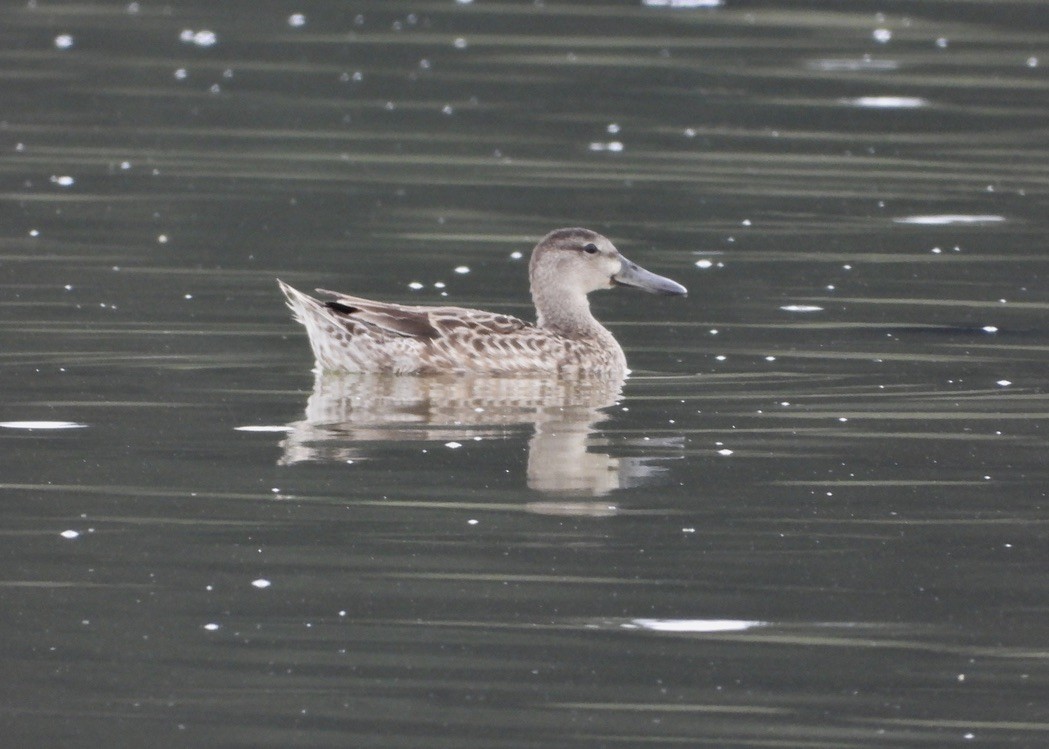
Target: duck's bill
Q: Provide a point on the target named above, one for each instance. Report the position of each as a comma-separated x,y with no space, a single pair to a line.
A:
634,275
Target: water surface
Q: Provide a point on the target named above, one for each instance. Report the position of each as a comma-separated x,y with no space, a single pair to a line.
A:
815,515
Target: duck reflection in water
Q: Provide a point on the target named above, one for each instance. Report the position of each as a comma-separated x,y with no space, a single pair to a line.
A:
346,410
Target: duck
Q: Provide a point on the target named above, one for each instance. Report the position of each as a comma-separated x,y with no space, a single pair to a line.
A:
350,334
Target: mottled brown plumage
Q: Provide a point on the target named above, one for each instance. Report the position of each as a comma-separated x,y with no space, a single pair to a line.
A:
351,334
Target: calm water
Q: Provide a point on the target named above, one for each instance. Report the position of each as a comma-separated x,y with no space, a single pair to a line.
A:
815,516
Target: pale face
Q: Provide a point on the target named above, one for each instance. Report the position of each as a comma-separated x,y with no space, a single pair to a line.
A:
579,260
589,263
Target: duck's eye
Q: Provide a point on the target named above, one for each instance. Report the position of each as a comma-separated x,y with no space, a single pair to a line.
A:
590,249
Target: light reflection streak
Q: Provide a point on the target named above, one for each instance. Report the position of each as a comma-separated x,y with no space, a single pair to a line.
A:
693,625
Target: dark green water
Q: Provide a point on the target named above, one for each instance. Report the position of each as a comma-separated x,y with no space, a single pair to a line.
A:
816,515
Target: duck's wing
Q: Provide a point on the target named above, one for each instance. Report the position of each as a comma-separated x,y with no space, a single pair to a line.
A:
422,323
459,320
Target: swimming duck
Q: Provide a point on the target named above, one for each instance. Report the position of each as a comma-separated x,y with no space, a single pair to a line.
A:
350,334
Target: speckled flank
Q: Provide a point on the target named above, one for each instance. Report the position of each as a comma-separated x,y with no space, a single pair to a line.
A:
350,334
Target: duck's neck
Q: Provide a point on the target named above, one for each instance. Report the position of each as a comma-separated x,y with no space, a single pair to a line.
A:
565,311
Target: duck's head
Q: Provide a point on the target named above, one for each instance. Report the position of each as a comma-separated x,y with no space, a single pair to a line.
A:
580,260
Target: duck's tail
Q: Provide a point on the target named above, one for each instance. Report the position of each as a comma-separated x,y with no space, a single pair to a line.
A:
319,322
304,307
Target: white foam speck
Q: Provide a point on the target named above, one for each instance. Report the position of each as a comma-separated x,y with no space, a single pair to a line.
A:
453,445
212,626
261,583
64,41
62,180
70,534
704,264
296,20
882,35
801,308
415,285
202,38
263,428
725,452
462,269
990,328
1004,383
